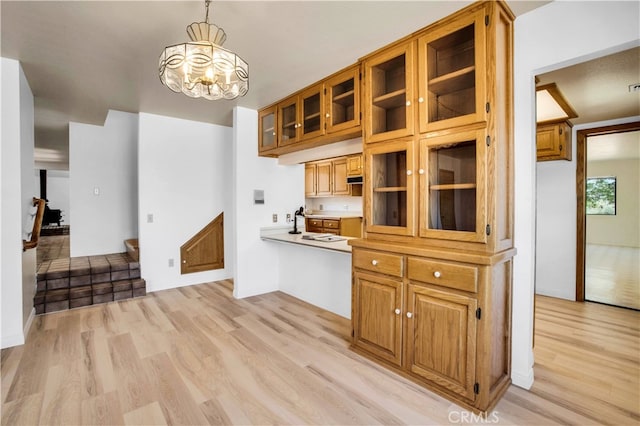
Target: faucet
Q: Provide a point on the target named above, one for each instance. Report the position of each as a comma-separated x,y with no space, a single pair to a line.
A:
299,212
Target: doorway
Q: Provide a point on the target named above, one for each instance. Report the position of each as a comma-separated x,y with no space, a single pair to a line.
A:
608,207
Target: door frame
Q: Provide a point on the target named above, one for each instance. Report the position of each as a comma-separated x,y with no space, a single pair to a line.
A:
581,174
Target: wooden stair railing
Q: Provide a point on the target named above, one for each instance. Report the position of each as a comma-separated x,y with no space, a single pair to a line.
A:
39,203
205,251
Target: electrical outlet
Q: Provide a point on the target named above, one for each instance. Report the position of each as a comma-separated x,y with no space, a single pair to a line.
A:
321,207
346,207
150,218
288,217
170,263
634,87
274,218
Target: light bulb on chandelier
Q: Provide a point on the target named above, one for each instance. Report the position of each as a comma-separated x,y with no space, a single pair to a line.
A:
202,67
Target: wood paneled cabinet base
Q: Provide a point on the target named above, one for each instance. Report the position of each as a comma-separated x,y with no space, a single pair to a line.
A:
441,318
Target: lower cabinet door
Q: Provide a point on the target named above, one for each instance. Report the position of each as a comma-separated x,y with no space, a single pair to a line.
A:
441,343
377,320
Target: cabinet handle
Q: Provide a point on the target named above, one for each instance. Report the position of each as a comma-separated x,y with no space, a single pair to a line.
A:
397,311
408,103
374,262
327,115
409,315
421,171
421,99
437,274
409,172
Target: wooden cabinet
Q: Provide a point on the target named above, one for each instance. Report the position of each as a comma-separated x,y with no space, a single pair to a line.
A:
327,178
435,259
354,165
267,135
339,177
342,95
346,226
327,111
553,141
389,91
441,322
318,179
452,65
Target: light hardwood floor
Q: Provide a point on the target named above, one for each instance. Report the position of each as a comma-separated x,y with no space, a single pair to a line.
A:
612,275
194,355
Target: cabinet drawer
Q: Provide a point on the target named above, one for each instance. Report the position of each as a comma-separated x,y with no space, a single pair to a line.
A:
384,263
451,275
330,223
315,223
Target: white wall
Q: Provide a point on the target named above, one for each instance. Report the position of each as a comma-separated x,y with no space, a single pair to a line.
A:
554,36
623,228
185,182
103,158
57,191
17,275
256,267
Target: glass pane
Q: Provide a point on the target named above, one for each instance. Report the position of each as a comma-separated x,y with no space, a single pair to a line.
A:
452,186
451,75
268,131
311,110
342,102
389,182
288,130
389,95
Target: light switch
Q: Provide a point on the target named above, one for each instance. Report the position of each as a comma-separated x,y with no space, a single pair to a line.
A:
150,218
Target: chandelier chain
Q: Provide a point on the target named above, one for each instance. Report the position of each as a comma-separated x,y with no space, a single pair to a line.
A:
206,5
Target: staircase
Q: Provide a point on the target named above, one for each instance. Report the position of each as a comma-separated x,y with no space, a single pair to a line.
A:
88,280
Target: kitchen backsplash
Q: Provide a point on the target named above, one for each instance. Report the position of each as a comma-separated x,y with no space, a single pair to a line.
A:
334,204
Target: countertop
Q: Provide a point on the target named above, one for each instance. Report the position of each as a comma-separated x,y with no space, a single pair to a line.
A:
285,237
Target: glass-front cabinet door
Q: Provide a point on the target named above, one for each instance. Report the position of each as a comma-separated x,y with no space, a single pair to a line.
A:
288,121
452,73
389,93
342,109
312,112
453,187
267,139
389,181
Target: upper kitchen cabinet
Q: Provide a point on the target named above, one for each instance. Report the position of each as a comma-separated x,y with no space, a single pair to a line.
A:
354,165
312,107
553,141
389,91
289,127
342,97
452,69
267,135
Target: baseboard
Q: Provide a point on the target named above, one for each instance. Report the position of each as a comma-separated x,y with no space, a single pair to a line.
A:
524,381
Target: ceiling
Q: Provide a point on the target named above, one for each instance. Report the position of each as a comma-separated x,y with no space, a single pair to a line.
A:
82,58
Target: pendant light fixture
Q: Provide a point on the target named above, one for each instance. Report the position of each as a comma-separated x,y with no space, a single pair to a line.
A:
202,67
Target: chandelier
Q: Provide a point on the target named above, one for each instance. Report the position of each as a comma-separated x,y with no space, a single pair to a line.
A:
202,67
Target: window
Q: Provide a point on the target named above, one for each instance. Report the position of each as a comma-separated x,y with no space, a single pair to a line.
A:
601,195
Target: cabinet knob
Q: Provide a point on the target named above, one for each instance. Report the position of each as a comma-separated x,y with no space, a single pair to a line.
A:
409,315
327,115
274,133
374,262
397,311
409,172
408,103
437,274
421,99
421,171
